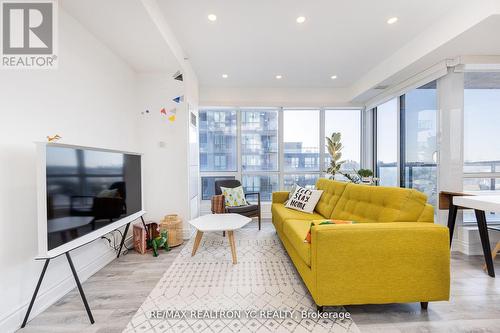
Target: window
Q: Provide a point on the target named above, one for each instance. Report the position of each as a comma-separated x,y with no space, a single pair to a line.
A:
218,150
208,186
301,140
265,184
259,140
348,124
481,145
419,144
244,144
304,180
387,143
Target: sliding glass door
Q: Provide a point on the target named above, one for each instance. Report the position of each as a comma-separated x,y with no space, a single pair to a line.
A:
387,143
406,145
418,140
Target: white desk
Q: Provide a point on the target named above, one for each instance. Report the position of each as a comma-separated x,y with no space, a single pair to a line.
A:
480,204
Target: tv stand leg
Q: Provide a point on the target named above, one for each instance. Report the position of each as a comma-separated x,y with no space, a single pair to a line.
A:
80,289
35,293
146,227
123,239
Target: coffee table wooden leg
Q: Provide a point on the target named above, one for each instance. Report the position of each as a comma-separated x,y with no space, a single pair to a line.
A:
230,235
197,241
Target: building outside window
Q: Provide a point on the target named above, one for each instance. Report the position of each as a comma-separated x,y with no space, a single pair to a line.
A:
218,149
259,151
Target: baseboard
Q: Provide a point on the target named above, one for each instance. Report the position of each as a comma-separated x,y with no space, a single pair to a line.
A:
50,295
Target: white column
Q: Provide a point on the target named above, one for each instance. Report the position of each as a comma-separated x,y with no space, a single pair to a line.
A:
450,138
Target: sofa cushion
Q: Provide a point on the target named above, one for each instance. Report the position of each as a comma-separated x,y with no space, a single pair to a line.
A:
280,214
296,231
364,203
332,191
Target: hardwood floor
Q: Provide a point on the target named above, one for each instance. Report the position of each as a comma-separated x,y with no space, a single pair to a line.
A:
474,305
114,295
116,292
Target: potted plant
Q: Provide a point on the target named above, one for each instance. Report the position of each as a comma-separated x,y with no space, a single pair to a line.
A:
334,147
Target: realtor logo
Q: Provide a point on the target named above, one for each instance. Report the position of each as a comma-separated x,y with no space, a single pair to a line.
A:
28,34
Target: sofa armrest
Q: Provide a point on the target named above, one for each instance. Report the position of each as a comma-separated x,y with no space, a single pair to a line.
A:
381,262
280,197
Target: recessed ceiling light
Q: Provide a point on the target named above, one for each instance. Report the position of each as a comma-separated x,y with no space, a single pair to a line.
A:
333,77
225,76
392,20
301,19
279,77
212,17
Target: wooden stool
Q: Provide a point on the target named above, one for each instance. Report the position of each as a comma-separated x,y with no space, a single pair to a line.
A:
173,224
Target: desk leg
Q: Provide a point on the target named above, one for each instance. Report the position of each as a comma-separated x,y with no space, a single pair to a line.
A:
452,217
485,241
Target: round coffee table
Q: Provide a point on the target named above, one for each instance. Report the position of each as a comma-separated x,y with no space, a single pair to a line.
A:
218,222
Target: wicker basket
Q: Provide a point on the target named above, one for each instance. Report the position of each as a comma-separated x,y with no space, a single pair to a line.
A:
173,224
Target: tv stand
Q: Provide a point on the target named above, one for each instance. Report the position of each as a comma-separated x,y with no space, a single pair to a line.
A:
75,275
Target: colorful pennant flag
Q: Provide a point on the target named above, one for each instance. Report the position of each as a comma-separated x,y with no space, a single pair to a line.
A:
178,76
179,99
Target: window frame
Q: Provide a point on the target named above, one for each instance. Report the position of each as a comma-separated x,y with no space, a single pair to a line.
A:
239,173
493,175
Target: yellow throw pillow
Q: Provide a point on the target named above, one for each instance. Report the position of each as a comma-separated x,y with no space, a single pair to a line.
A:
234,197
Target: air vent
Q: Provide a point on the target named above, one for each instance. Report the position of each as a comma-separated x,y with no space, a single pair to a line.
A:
381,87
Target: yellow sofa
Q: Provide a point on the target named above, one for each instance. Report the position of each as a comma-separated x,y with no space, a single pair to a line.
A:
395,254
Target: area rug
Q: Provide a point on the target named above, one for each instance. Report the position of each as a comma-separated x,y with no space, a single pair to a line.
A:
261,293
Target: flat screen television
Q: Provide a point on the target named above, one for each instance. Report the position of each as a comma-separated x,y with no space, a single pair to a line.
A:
84,193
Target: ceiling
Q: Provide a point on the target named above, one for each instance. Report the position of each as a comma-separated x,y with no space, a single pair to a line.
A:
127,29
252,41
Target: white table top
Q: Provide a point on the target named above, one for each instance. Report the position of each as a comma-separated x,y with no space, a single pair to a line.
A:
219,222
488,203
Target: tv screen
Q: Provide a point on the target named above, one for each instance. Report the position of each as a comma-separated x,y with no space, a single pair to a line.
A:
88,189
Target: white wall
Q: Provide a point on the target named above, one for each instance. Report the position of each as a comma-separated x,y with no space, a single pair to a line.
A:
164,145
88,100
286,97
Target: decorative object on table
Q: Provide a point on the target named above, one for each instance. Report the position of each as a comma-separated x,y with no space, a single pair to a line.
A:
141,238
179,99
163,111
178,76
248,210
159,242
173,224
234,197
303,199
334,147
54,138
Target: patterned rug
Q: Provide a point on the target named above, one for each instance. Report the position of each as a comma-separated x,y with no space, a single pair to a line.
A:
262,293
